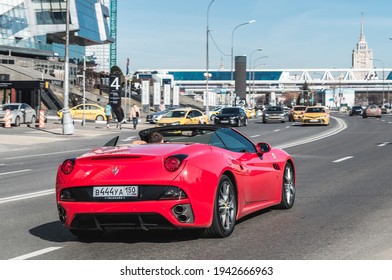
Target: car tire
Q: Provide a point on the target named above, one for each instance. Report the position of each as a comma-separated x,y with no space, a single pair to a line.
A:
288,187
86,234
99,118
17,121
224,210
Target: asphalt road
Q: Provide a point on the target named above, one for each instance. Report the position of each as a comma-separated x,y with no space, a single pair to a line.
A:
342,209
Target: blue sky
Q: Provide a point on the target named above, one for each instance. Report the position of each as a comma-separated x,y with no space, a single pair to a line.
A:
171,34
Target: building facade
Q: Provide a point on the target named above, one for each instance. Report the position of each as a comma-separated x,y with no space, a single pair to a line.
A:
101,53
32,41
362,57
37,28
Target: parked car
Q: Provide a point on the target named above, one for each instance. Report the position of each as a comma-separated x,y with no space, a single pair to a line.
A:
201,177
372,111
183,116
19,113
90,111
275,113
315,115
296,113
232,116
155,117
355,110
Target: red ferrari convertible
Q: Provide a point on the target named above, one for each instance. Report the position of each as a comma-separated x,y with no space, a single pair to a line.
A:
198,176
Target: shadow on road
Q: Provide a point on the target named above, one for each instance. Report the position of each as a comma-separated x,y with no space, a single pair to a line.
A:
55,232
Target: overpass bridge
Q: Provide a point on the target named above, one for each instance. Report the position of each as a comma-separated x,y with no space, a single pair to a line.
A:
283,80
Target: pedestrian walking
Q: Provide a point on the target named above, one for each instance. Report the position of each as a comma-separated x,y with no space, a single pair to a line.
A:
162,107
108,114
135,114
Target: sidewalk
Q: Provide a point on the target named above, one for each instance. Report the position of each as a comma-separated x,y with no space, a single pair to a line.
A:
53,131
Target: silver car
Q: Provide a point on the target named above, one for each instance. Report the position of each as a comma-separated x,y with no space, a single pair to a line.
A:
19,112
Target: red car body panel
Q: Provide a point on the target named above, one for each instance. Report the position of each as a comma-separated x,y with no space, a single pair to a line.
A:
258,179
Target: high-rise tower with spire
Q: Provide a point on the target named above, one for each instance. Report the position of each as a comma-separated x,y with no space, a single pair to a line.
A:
362,56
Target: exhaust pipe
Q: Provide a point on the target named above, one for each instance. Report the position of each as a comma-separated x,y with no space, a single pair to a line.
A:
62,214
183,213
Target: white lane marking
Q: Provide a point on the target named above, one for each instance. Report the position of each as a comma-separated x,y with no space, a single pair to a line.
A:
48,154
36,253
276,130
343,159
25,196
254,136
2,164
340,127
13,172
383,144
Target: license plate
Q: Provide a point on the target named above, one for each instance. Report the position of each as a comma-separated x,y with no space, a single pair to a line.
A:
115,192
224,121
314,120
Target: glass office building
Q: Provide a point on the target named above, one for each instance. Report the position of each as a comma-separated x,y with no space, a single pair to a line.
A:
36,28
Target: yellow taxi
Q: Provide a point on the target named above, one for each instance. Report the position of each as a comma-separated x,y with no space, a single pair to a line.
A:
315,115
250,113
92,112
296,113
183,116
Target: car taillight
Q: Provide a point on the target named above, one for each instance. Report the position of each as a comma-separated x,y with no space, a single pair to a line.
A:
68,166
172,163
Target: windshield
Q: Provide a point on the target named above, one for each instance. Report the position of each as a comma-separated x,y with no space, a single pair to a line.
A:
315,110
230,110
274,109
175,114
10,107
299,108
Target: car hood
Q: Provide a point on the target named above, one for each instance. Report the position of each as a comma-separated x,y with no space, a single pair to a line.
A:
313,115
135,164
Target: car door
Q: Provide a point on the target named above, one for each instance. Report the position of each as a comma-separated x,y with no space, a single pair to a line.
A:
25,115
255,174
195,117
30,112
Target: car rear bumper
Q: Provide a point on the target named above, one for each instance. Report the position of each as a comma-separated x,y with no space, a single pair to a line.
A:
129,215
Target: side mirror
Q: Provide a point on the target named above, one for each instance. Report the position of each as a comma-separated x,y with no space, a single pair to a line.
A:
263,147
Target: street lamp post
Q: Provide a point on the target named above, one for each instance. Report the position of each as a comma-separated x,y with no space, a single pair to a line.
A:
232,47
207,61
250,67
68,127
254,67
383,80
253,70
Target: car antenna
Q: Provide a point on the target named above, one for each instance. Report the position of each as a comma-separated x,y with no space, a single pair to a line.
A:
112,142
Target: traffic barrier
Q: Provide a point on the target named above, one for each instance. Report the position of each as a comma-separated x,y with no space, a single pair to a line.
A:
7,118
41,119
